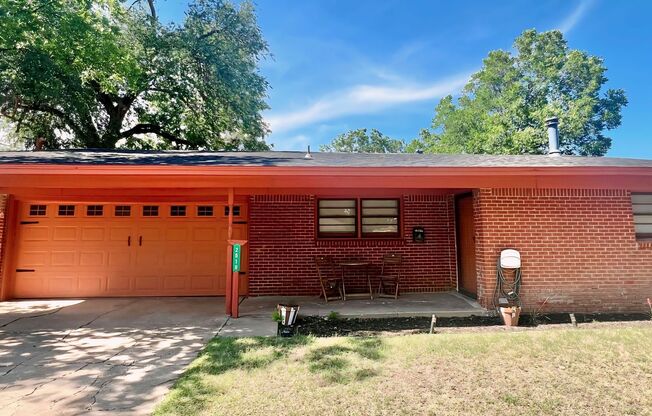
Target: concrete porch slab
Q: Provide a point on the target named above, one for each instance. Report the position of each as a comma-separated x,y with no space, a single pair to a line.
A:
442,304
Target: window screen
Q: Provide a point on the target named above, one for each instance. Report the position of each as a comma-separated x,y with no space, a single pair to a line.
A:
37,210
178,211
122,211
95,210
66,210
642,208
205,211
380,217
337,217
150,211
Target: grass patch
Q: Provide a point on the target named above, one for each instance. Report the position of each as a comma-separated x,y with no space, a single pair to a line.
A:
556,371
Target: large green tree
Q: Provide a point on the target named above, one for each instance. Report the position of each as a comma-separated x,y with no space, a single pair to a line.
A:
108,73
503,107
362,141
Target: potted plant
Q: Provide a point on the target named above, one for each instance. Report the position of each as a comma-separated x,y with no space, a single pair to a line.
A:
286,316
510,315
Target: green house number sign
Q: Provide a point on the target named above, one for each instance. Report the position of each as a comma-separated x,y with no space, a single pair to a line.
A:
237,255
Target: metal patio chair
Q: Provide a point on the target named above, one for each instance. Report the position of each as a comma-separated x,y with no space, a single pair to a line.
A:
390,276
332,283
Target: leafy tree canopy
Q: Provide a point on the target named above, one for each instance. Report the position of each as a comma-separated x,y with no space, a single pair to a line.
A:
503,107
107,73
361,141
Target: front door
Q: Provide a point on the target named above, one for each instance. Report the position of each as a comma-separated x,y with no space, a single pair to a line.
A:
467,278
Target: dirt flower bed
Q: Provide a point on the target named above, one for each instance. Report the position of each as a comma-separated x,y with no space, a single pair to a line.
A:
325,327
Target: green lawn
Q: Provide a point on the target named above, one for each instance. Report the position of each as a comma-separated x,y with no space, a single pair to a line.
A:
553,371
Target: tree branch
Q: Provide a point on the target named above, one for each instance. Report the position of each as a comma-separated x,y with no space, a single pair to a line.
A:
144,128
152,9
44,108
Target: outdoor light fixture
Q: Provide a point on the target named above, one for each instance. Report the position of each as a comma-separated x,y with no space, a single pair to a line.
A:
418,234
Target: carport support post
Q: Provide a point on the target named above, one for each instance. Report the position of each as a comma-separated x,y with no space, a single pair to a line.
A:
229,259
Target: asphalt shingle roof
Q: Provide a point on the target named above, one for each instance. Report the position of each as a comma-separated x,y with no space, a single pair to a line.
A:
297,159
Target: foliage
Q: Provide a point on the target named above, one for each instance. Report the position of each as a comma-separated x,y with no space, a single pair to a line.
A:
361,141
333,316
107,73
276,316
503,107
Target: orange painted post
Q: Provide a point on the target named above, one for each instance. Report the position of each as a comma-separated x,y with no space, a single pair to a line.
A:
230,292
235,296
229,281
234,286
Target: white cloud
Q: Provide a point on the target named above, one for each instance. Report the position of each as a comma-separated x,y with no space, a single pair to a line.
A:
573,19
363,99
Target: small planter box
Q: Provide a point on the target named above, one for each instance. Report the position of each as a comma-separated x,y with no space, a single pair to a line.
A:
288,317
510,315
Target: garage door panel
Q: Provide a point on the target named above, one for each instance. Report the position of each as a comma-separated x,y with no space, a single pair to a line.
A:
27,259
63,258
120,234
92,259
30,285
147,283
65,233
204,234
91,284
176,234
118,283
118,259
93,234
202,282
120,255
175,282
35,233
150,234
63,284
176,259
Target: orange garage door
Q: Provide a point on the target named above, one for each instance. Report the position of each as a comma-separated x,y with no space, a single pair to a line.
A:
86,250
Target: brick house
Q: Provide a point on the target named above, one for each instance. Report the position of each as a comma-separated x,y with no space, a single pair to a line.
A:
101,223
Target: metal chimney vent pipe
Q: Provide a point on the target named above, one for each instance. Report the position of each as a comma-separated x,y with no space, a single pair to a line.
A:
553,136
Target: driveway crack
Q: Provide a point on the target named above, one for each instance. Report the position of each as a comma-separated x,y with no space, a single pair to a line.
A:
31,316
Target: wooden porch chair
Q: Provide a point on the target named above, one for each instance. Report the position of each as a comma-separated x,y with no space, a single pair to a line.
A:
332,283
390,276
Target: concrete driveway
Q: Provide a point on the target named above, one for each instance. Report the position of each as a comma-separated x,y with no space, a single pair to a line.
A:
116,356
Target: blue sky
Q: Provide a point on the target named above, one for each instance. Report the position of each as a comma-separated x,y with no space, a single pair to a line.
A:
341,65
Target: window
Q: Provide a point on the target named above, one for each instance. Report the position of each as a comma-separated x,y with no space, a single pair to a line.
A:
338,218
205,211
150,211
236,211
375,218
94,210
380,217
122,211
37,210
642,208
66,210
178,211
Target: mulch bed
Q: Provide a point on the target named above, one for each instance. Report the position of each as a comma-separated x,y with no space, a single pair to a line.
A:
324,327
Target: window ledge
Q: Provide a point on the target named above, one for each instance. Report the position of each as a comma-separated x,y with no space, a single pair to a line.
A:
647,243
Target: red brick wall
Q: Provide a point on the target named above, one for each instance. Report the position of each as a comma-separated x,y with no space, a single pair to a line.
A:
283,244
578,248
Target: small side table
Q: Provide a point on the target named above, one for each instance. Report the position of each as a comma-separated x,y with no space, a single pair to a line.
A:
357,265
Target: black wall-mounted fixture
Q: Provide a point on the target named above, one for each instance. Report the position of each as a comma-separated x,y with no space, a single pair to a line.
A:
418,234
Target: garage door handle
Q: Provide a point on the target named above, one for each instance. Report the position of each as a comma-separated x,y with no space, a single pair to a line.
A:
129,241
140,240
